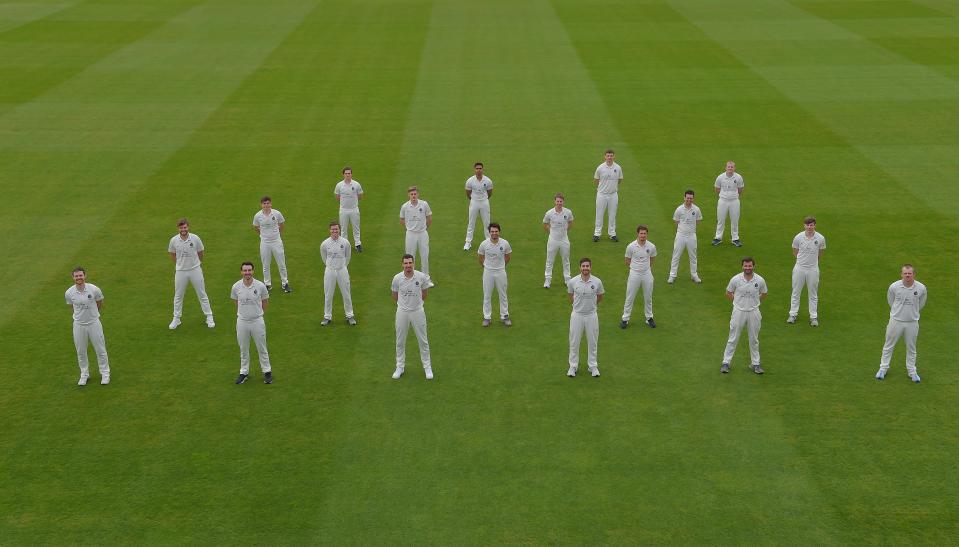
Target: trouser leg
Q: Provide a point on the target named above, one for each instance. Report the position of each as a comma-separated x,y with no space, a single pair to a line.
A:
180,280
632,286
576,326
551,249
196,279
258,332
691,245
418,320
564,254
243,333
753,324
812,291
95,334
736,322
722,209
613,206
501,282
484,215
80,340
734,219
799,279
355,221
279,253
487,294
266,259
592,340
424,245
894,330
471,222
343,281
910,332
646,281
329,285
601,203
402,327
678,245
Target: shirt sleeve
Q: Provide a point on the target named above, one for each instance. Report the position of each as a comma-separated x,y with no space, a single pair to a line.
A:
395,285
323,252
891,294
98,295
468,187
426,209
336,190
199,243
264,293
66,296
719,183
599,287
731,287
402,210
620,173
256,219
509,248
762,287
348,255
653,251
546,218
822,243
233,293
571,215
280,219
596,174
796,242
569,286
171,247
481,250
490,185
359,189
676,216
921,302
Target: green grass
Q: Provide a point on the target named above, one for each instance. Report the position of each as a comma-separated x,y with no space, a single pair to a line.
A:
117,118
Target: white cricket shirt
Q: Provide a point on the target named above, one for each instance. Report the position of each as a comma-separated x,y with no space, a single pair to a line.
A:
249,299
809,248
584,293
746,293
409,290
905,303
639,256
729,186
495,253
335,252
349,195
84,303
186,251
609,177
558,223
687,219
269,225
479,188
415,215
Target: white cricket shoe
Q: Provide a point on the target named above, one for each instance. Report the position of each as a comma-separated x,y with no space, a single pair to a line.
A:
209,322
429,372
105,380
594,372
397,373
571,372
881,375
671,280
175,323
791,319
914,378
813,322
696,279
83,380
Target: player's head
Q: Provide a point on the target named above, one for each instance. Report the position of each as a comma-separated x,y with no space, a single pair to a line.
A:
407,263
335,229
494,230
246,269
809,223
908,273
79,275
347,172
183,225
730,167
689,196
478,169
413,191
585,265
609,154
559,200
748,264
642,230
266,202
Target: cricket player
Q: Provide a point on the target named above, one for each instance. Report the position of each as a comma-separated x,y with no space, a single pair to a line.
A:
607,179
557,223
585,293
409,289
335,253
746,290
479,190
808,246
349,193
494,254
251,297
906,299
86,300
687,218
640,255
416,216
268,222
186,251
729,186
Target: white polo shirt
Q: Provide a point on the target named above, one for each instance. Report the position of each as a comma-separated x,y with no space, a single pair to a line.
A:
639,256
609,177
558,223
905,303
85,310
479,188
808,248
746,293
584,293
186,251
409,290
495,254
415,215
729,186
349,195
687,219
335,252
269,225
249,299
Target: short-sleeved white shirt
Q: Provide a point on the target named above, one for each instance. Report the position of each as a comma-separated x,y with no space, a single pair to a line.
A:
609,177
349,195
479,188
729,186
687,219
186,251
584,293
415,215
639,256
85,310
249,299
409,290
495,253
905,303
269,224
335,253
558,223
746,293
808,248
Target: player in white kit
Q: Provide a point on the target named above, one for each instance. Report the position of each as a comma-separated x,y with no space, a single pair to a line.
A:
335,253
268,222
416,216
494,254
349,193
585,293
409,289
640,255
746,290
557,223
86,299
607,179
186,251
251,297
729,186
906,299
479,190
808,246
687,218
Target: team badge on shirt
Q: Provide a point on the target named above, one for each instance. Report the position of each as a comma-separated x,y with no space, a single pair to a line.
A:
592,286
191,244
756,285
916,293
417,283
90,296
647,251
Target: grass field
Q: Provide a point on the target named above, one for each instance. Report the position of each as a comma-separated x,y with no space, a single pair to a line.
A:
118,117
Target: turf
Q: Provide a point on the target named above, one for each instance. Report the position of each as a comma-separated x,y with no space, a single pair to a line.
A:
117,118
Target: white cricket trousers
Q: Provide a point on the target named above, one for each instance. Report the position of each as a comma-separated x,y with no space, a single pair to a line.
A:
895,330
331,279
552,246
602,202
687,242
752,320
91,333
633,284
577,324
255,329
195,278
348,216
730,207
269,250
810,278
404,319
482,207
494,278
421,241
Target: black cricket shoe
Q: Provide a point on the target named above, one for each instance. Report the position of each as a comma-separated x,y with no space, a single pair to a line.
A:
287,288
359,248
737,243
241,378
725,368
623,324
716,242
614,239
651,323
595,239
269,287
268,377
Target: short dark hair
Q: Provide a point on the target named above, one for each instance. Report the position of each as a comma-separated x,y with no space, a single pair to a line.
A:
560,196
689,192
347,168
247,263
182,221
411,188
609,151
910,266
641,228
79,269
584,259
409,256
265,199
809,220
335,223
477,164
748,259
494,225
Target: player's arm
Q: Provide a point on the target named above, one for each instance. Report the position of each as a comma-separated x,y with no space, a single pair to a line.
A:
264,303
796,252
396,296
482,258
280,226
546,227
890,296
569,226
323,253
100,304
469,194
570,298
595,182
717,189
237,304
199,254
762,296
627,260
425,291
676,222
921,302
173,257
429,220
506,258
651,260
820,252
740,190
599,298
489,194
729,296
349,254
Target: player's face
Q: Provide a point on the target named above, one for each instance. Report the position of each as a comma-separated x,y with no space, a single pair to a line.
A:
247,272
79,278
585,268
494,233
641,236
688,199
908,274
414,195
559,203
748,268
811,227
266,205
347,175
730,168
184,229
479,172
609,157
335,231
408,265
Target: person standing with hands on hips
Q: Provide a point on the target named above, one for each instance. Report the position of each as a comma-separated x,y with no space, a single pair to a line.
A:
906,299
